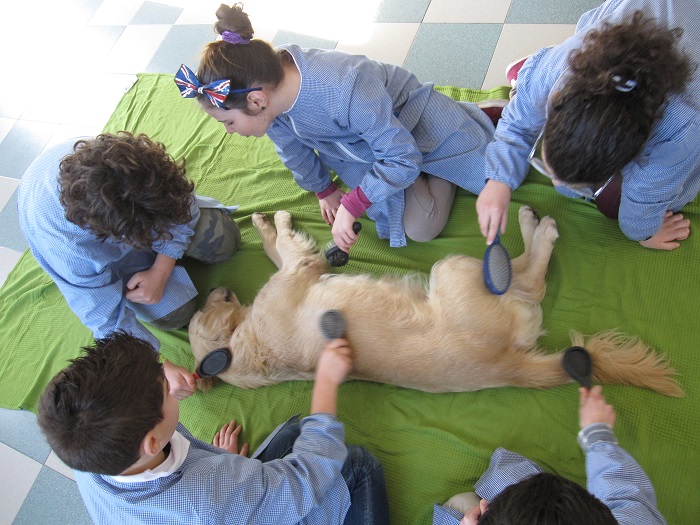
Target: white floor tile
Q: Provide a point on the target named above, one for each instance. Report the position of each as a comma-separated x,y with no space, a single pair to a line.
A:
97,112
115,12
64,132
467,12
134,49
16,478
53,462
519,40
7,188
204,12
388,43
8,260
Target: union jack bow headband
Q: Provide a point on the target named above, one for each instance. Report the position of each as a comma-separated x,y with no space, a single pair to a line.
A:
215,91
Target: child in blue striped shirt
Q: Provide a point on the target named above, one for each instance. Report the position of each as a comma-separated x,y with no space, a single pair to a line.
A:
400,146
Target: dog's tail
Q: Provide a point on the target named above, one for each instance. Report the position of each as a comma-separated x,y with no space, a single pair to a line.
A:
625,360
617,359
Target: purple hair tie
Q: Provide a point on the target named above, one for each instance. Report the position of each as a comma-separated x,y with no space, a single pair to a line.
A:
234,38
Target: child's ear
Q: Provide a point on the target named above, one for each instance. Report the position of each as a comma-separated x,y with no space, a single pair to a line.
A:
257,101
150,446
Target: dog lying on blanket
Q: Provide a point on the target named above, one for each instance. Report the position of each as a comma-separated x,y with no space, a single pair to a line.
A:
451,336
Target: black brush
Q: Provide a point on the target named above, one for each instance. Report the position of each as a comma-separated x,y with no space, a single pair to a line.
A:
332,324
578,364
337,257
213,363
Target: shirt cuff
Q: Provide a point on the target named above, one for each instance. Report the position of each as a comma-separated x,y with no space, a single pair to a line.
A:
594,433
325,193
355,202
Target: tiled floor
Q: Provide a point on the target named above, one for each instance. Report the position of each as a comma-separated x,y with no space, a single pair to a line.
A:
67,63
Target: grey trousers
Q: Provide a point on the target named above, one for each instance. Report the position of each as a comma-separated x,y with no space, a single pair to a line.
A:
428,203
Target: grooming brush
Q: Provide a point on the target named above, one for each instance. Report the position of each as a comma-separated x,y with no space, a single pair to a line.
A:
336,256
213,363
332,324
577,363
497,269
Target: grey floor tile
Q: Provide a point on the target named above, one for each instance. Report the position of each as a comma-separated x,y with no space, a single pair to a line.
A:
402,10
54,499
453,54
548,11
21,146
182,45
19,430
155,13
290,37
11,235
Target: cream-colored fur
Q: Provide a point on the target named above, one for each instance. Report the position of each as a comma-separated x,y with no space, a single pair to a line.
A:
450,335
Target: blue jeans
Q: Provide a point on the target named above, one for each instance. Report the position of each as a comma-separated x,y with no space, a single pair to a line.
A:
361,471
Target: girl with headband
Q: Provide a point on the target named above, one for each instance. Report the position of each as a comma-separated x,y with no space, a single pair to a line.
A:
615,113
401,147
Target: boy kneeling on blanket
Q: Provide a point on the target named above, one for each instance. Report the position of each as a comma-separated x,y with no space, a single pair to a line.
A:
110,416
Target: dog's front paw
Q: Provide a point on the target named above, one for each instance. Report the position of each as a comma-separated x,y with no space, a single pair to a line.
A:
283,219
260,219
549,229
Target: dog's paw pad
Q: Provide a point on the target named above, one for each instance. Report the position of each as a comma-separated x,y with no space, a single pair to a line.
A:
260,219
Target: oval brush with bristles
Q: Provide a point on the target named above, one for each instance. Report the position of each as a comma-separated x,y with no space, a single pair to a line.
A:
332,324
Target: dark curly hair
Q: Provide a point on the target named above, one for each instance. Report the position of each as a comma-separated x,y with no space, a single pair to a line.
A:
244,65
619,81
126,188
96,412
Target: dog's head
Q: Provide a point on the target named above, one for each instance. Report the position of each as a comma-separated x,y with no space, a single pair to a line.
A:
212,327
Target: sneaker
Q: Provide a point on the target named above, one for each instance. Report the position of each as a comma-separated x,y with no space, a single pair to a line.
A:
512,70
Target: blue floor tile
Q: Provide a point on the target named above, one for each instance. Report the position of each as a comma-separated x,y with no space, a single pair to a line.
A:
11,235
402,11
182,45
54,499
155,13
22,145
290,37
453,54
548,11
20,430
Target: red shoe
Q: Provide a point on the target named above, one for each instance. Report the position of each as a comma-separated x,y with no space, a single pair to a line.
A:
512,70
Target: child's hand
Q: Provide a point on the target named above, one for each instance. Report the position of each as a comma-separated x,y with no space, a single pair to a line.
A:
472,516
672,230
147,287
227,438
330,205
594,409
182,383
492,209
343,234
335,362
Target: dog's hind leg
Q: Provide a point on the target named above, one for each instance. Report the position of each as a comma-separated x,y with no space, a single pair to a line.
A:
294,247
268,234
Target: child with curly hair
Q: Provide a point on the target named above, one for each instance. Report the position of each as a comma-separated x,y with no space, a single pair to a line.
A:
399,145
615,109
107,218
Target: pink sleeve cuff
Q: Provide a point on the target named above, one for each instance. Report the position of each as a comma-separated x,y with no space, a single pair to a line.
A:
325,193
355,202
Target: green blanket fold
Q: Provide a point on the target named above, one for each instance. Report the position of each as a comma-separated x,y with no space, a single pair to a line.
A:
431,445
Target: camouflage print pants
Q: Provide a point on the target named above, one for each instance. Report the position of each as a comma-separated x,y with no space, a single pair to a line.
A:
216,238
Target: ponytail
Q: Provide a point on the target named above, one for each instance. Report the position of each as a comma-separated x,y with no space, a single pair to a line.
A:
245,64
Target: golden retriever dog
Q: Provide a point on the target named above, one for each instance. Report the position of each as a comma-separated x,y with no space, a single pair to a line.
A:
448,335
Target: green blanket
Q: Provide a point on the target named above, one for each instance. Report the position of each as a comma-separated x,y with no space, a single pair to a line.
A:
431,445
